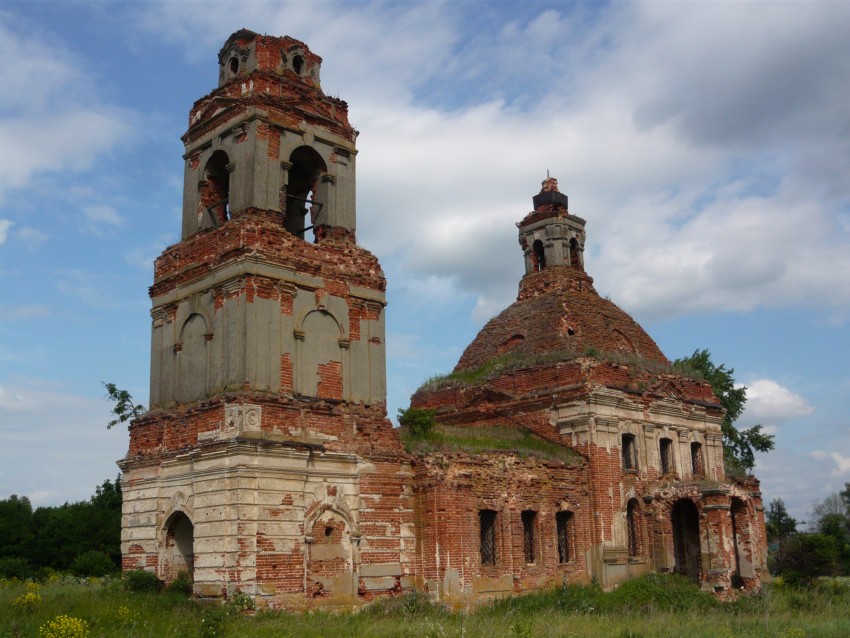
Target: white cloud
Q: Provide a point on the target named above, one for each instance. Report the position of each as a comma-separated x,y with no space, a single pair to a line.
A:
770,403
98,216
67,430
5,225
841,462
30,237
53,119
23,312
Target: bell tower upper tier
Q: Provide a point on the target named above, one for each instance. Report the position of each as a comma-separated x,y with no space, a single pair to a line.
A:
549,235
269,139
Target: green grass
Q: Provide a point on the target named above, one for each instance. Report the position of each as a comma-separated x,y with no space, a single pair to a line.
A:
513,361
649,607
487,439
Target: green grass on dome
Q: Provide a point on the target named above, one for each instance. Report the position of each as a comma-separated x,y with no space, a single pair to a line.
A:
518,440
512,361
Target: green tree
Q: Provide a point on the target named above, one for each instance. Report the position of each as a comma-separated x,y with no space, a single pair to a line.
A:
125,409
780,525
739,446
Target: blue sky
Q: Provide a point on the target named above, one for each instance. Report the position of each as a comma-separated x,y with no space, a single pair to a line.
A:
707,145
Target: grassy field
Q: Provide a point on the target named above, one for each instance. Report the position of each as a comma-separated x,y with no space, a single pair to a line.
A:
652,606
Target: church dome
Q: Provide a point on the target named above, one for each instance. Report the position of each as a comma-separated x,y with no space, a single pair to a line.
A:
558,311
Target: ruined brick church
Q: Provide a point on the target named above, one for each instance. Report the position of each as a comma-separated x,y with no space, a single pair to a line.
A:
267,464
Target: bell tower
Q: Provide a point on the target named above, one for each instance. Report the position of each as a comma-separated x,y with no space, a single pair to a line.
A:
269,139
550,235
268,380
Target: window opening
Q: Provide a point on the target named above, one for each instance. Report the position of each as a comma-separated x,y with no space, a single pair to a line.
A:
575,259
303,210
298,64
666,455
632,512
538,257
234,65
215,191
629,455
563,523
487,520
529,520
696,459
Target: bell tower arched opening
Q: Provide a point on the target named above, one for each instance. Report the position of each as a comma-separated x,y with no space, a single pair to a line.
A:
302,192
214,200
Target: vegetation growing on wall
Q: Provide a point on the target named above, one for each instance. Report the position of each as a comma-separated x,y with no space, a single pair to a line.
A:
422,434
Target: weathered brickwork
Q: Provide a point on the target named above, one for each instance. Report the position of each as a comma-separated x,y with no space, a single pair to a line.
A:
267,464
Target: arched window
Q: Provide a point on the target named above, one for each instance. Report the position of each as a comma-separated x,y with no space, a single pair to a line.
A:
487,521
214,200
301,188
629,448
633,527
666,451
538,257
563,527
696,459
575,258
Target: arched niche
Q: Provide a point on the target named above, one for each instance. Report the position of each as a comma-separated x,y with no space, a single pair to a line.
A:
320,356
192,359
330,540
177,547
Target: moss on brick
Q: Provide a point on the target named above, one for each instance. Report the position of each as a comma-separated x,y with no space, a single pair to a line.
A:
519,441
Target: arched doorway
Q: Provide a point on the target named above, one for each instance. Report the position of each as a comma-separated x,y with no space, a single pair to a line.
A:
686,545
178,553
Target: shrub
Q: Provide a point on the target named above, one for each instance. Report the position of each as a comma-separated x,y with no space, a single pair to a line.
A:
242,602
141,580
15,567
92,563
419,423
27,601
181,585
64,627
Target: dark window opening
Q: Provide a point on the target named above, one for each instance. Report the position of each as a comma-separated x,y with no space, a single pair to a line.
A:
629,452
563,523
214,192
234,65
329,530
696,459
538,257
633,527
298,64
301,200
529,521
487,520
666,456
575,258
